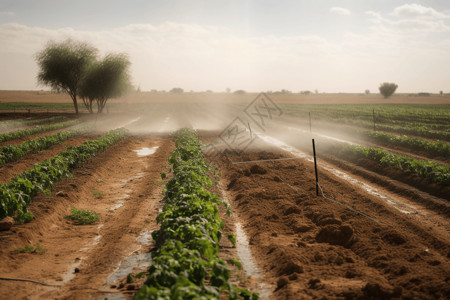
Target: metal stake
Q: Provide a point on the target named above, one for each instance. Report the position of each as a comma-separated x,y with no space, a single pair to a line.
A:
315,167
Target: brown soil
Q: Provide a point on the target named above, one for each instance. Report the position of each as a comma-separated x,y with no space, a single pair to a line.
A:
80,258
313,248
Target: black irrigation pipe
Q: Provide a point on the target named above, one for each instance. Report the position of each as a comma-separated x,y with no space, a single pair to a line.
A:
28,280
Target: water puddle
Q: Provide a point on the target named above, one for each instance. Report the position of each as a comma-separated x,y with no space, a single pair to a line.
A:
134,263
118,205
96,239
401,207
245,257
145,238
146,151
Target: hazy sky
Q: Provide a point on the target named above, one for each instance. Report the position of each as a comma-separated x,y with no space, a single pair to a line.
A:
255,45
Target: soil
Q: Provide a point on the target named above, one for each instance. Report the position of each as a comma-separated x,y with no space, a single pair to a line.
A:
314,248
350,245
79,258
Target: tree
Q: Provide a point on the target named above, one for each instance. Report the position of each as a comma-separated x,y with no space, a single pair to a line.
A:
367,92
105,79
177,90
387,89
62,66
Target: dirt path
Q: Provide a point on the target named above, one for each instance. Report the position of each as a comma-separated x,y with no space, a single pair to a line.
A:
80,259
313,248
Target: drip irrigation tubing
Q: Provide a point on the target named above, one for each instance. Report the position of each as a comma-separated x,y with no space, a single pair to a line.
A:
28,280
348,207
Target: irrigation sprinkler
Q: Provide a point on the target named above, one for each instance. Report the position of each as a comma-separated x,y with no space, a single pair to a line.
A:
315,167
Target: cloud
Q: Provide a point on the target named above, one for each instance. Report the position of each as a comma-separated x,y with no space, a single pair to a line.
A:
418,11
341,11
410,18
199,57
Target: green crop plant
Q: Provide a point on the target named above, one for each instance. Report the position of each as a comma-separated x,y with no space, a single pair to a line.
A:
185,262
82,216
16,195
30,131
11,153
30,249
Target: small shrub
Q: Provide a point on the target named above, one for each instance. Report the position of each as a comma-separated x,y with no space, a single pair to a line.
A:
82,216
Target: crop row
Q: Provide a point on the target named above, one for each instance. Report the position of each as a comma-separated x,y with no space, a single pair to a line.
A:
30,131
11,153
433,171
16,195
185,262
429,114
437,148
21,122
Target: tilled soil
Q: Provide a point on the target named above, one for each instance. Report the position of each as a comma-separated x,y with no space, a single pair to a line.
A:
313,248
80,258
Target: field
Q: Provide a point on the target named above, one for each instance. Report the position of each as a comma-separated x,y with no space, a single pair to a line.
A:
230,207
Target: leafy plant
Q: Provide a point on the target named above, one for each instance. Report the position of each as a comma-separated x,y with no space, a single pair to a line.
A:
187,243
30,249
237,263
98,194
82,216
16,195
26,132
232,238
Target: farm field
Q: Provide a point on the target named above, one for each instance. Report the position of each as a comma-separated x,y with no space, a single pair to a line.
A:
376,227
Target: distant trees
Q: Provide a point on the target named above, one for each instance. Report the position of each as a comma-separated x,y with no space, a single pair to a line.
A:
387,89
177,90
62,66
239,92
74,68
367,92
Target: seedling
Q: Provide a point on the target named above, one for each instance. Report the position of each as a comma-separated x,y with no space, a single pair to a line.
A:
100,180
232,238
237,263
82,216
98,194
30,249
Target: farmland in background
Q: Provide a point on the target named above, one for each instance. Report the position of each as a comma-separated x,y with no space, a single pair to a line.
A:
378,228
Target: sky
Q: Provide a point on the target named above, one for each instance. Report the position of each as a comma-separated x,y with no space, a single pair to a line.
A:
255,45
